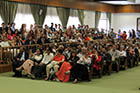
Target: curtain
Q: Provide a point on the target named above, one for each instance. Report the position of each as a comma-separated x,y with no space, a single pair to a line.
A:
97,18
81,16
63,14
8,11
109,18
39,13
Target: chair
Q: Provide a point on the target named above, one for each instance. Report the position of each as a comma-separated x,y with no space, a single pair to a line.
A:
123,62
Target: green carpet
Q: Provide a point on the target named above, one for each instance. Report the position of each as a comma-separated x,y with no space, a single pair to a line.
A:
123,82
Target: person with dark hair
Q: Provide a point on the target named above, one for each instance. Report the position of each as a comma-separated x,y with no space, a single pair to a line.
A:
48,57
115,59
97,63
136,55
124,35
112,35
3,28
12,28
28,64
58,58
119,34
80,67
65,71
29,41
18,61
107,60
133,33
9,35
122,53
52,28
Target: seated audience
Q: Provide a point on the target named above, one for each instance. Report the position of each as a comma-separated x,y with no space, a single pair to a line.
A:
80,67
18,61
28,64
57,60
73,54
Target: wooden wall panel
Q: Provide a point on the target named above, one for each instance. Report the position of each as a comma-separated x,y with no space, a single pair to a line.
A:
83,4
72,4
128,9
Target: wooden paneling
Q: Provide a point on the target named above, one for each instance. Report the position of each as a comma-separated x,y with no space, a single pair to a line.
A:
83,4
78,4
5,68
128,9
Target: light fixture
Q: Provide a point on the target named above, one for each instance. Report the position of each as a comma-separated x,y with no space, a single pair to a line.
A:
118,2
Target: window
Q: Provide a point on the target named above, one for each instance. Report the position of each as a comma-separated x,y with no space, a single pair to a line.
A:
104,22
1,21
73,21
51,17
24,16
24,19
73,18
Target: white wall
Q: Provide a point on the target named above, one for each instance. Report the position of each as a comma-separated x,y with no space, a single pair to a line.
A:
125,21
89,18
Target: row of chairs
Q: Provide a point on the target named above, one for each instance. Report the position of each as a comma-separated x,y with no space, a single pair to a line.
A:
122,63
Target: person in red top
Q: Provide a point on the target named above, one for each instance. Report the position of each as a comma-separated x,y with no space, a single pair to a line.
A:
124,35
97,60
9,35
58,58
63,74
15,34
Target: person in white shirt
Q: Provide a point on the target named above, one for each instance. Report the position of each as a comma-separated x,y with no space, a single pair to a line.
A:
80,70
4,43
13,29
48,57
122,54
85,60
28,64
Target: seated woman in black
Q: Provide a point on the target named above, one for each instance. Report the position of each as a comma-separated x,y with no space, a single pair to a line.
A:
73,58
79,70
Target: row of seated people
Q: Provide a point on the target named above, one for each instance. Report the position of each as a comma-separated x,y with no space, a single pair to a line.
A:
10,36
76,62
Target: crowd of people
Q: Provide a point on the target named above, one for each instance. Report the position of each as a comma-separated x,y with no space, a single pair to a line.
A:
88,50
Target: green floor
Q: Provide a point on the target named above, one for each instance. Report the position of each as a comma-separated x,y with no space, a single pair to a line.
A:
124,82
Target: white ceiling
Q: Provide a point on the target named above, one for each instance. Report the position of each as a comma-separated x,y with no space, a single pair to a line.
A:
122,2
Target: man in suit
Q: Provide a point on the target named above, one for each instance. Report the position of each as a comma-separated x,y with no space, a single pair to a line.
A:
52,28
12,28
29,41
3,28
107,58
21,57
